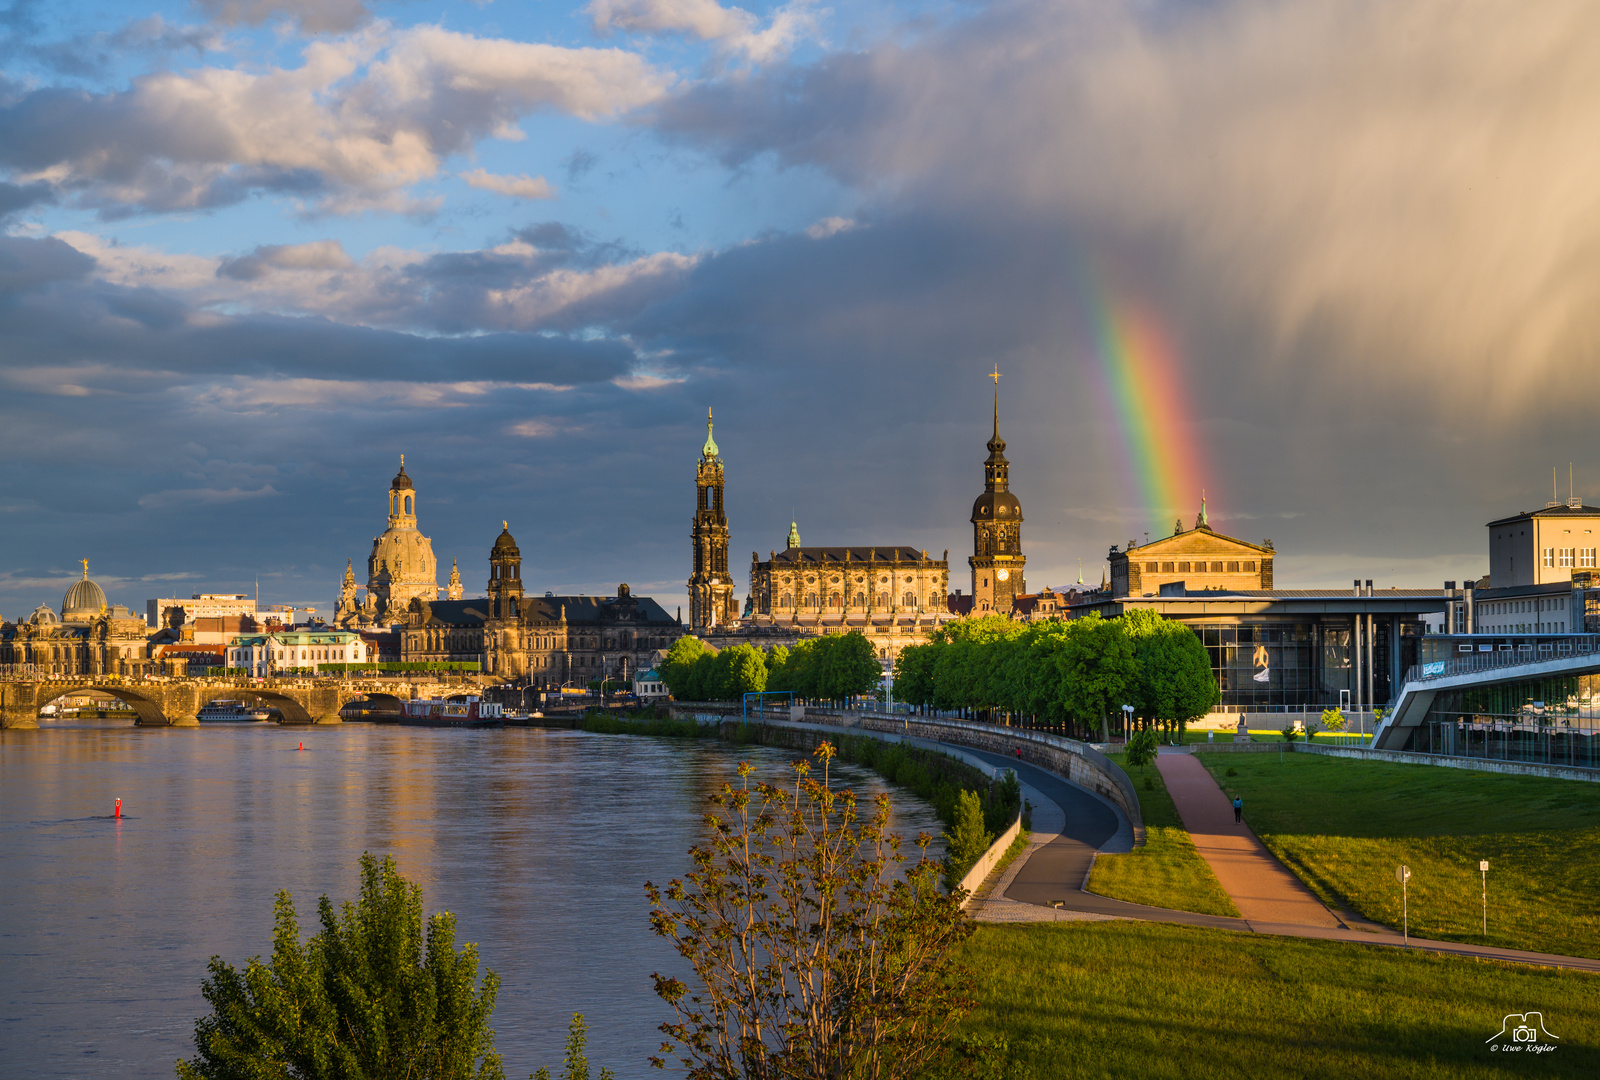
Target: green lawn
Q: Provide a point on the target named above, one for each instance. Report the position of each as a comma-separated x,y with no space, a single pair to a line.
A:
1343,826
1263,731
1153,1000
1167,872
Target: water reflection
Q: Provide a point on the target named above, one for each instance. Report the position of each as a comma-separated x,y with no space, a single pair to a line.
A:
539,841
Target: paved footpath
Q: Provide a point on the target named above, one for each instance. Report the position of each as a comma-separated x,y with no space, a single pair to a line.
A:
1261,887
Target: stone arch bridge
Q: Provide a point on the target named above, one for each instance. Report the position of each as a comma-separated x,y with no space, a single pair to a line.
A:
176,702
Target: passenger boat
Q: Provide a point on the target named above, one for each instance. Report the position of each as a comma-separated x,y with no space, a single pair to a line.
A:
434,712
234,710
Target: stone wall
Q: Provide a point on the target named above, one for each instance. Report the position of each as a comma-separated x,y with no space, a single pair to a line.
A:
1077,761
986,863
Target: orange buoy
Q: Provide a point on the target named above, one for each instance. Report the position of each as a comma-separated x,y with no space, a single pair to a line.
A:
118,811
302,746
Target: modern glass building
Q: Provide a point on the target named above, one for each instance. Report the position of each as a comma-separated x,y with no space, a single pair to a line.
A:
1550,719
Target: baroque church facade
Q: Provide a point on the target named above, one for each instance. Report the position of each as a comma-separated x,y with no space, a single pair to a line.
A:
89,637
400,568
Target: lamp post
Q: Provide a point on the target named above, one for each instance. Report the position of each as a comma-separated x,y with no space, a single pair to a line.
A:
1127,722
1483,869
1402,874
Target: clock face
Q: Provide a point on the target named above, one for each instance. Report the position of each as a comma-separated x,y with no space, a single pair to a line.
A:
1003,574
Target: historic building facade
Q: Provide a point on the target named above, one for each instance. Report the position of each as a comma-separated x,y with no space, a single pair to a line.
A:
89,637
545,641
997,561
1197,560
400,569
711,599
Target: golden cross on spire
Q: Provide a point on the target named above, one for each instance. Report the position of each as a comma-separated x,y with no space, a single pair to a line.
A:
402,461
995,375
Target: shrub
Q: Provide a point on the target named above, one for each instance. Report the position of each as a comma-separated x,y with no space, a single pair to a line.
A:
966,841
576,1062
1288,733
1232,771
370,995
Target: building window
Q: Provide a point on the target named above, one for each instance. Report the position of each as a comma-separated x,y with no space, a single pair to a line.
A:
1549,556
1233,568
1250,566
1586,557
1566,557
1183,568
1149,567
909,600
1167,568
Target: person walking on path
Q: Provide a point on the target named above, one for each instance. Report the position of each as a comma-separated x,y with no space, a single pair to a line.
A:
1238,809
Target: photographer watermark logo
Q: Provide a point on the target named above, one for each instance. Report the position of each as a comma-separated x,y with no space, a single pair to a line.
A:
1523,1032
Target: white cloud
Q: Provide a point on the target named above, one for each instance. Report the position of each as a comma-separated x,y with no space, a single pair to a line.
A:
517,187
733,29
829,226
364,117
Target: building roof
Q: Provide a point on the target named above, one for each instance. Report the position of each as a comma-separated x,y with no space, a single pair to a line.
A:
84,597
639,610
1560,510
456,612
830,555
1199,532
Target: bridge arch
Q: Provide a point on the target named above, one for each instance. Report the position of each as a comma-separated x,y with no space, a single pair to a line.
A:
146,707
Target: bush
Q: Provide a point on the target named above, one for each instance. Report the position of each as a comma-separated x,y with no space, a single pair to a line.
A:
1232,771
1289,733
575,1060
966,841
371,995
1141,749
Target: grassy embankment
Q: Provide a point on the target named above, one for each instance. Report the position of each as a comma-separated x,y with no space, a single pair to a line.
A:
1154,1000
1344,825
1167,872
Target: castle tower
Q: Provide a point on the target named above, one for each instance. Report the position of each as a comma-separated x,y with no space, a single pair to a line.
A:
997,560
505,576
455,590
711,601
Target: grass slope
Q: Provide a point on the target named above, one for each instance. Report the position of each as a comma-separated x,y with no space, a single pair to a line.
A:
1344,825
1167,872
1152,1000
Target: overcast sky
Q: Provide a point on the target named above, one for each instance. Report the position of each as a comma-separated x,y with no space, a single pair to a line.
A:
251,251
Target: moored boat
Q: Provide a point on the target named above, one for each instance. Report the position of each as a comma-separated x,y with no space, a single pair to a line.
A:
435,712
234,710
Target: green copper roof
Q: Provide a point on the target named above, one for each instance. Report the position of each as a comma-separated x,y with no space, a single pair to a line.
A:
794,534
710,448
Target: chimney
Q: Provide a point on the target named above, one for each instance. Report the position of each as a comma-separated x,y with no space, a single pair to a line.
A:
1356,587
1369,586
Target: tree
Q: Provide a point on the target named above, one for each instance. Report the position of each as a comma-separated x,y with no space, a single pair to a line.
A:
575,1061
677,670
818,948
1174,682
966,842
1095,666
1334,720
1141,749
371,995
850,666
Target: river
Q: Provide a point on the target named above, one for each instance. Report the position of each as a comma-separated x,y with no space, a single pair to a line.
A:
539,841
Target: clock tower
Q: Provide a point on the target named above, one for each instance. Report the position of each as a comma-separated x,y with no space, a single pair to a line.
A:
997,560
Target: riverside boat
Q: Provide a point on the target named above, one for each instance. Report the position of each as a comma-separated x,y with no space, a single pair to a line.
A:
434,712
234,710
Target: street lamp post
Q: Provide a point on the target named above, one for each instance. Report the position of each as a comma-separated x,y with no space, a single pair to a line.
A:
1483,869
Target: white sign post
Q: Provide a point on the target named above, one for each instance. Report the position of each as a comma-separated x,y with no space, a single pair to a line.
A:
1483,868
1402,874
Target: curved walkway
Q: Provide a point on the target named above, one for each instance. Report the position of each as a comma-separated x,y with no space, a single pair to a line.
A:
1050,880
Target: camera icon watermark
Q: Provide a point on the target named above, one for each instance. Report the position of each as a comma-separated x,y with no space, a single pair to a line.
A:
1523,1032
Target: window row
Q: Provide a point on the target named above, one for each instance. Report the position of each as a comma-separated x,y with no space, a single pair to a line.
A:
1567,558
1229,566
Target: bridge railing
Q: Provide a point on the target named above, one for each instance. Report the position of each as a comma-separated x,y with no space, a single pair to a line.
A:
1577,645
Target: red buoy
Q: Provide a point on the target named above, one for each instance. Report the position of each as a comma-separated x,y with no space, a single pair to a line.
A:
302,746
118,812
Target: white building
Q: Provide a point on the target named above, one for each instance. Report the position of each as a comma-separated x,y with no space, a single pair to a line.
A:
293,651
201,606
649,686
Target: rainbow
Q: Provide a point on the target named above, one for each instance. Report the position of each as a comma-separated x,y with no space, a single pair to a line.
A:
1143,382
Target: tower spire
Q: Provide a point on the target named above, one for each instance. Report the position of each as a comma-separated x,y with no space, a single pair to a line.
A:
710,448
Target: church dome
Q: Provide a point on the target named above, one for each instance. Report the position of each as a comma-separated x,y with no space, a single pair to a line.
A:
997,506
85,599
401,482
505,543
43,616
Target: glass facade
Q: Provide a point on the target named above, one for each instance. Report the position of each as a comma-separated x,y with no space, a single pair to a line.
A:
1295,666
1553,720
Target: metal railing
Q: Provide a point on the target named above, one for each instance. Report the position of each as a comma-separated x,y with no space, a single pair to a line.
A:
1570,647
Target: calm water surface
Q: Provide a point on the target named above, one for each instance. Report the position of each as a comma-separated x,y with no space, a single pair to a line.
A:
539,841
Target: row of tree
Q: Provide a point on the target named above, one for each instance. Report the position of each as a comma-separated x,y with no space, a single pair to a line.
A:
1075,674
832,668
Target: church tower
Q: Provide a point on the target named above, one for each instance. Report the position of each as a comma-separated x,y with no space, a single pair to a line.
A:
505,576
711,601
997,558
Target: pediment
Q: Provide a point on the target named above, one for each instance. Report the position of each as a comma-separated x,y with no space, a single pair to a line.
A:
1202,542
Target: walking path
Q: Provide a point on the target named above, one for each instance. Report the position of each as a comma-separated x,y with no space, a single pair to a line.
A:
1261,887
1046,883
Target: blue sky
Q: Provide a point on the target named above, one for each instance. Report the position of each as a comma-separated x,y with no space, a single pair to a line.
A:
253,250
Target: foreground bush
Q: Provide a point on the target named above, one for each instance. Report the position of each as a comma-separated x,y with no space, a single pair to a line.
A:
818,949
371,996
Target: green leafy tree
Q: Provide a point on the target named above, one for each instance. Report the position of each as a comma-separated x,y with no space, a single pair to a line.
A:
1173,682
1095,666
1141,749
373,995
677,670
818,948
1334,720
966,841
850,664
913,673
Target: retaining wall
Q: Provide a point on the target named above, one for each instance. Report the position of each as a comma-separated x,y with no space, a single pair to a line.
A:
1077,761
1405,757
986,863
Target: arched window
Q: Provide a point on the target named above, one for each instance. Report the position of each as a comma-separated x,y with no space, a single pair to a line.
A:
408,504
861,599
909,599
883,599
811,600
